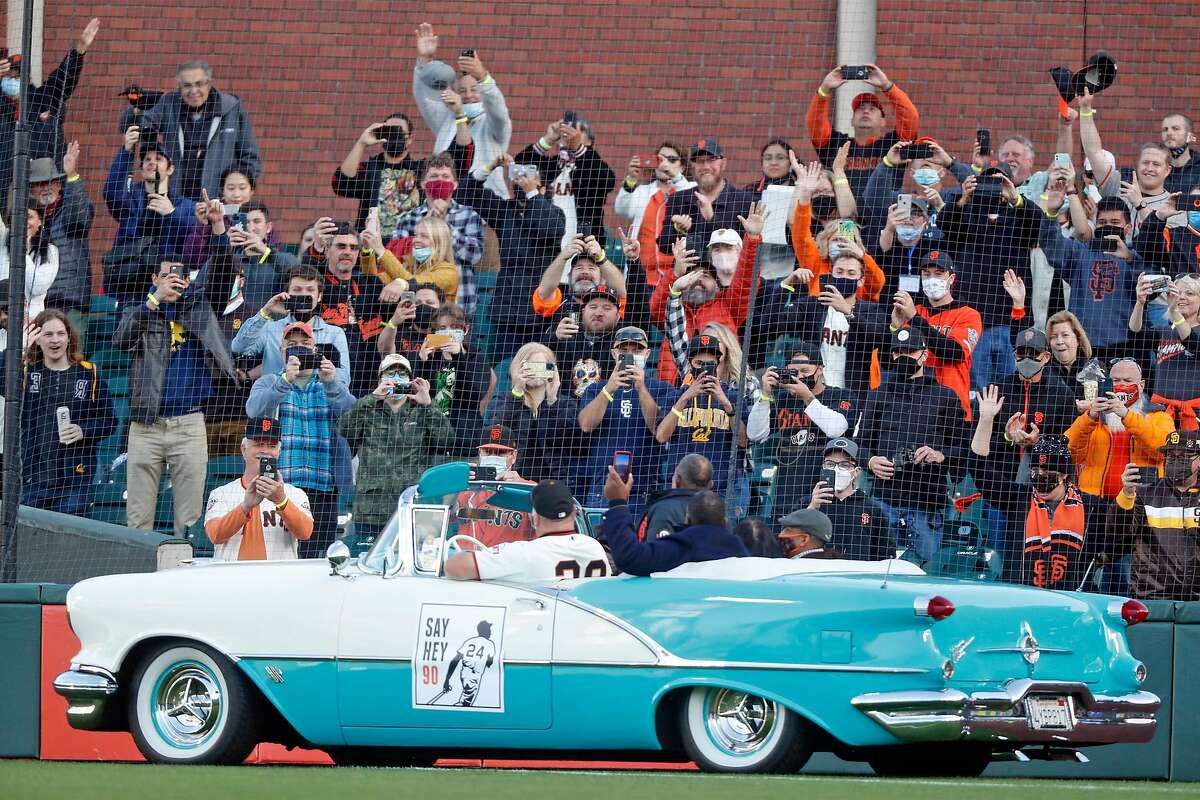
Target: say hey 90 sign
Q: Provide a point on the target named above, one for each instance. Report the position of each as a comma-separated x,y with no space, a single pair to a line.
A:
458,663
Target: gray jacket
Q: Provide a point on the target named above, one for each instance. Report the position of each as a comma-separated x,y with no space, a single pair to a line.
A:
147,334
231,141
70,225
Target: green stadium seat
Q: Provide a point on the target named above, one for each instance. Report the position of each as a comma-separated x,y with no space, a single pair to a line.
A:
202,546
103,304
110,361
118,386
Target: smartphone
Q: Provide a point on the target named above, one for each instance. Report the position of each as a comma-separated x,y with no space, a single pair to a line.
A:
62,415
436,341
828,477
389,132
856,73
408,297
1158,284
344,228
268,468
309,359
1062,160
1110,245
517,171
570,117
179,271
479,473
984,137
649,160
298,302
709,368
229,209
1103,387
825,281
1147,476
329,351
238,220
573,318
904,205
987,186
623,463
3,53
911,151
625,360
468,53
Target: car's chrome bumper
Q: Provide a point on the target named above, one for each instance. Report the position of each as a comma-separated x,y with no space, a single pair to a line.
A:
1001,717
89,692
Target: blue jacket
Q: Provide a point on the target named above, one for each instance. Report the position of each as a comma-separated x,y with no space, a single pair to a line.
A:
693,543
126,201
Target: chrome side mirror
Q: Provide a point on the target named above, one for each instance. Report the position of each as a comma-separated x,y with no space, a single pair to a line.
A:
337,554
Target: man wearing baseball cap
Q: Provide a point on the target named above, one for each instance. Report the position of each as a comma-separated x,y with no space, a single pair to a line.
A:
397,433
806,533
558,551
498,455
859,523
713,203
258,516
869,142
1157,523
590,332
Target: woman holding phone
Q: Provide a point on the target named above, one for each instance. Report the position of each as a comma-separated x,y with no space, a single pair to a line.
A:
431,259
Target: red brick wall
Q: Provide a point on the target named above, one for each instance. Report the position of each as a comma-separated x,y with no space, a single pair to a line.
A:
314,74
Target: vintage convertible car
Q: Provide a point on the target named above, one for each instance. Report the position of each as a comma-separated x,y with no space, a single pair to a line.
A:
741,665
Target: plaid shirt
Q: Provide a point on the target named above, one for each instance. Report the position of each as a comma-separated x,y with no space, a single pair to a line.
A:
308,416
677,330
466,231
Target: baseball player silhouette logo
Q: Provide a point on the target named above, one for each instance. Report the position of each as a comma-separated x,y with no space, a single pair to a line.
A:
458,664
473,659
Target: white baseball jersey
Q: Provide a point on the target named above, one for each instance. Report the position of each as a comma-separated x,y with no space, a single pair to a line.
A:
547,558
279,542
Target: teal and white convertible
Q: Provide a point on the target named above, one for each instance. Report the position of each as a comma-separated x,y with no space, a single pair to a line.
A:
741,665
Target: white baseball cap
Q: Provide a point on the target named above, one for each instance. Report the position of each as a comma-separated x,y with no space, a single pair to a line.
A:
1108,156
725,236
392,360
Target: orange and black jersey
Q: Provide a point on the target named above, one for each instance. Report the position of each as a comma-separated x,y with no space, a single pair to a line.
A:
951,333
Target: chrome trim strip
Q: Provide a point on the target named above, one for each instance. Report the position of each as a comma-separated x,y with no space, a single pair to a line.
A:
672,663
1053,650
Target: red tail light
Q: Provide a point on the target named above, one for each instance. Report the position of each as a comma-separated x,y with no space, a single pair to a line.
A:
1134,611
936,607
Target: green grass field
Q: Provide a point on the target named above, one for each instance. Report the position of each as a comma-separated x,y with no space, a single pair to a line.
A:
50,781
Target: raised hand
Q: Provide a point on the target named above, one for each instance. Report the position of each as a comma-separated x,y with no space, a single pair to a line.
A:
1015,287
990,402
754,220
427,43
87,36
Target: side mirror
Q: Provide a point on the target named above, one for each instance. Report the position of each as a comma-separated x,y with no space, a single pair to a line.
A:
337,554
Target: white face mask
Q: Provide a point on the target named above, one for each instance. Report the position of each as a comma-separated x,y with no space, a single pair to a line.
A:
498,463
935,288
842,479
725,263
640,361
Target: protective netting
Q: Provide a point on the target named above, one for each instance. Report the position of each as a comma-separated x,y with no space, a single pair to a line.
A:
944,305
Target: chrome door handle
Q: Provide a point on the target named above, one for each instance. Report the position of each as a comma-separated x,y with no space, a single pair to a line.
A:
533,601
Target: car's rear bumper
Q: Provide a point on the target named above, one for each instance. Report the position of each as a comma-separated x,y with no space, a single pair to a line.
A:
90,691
1002,716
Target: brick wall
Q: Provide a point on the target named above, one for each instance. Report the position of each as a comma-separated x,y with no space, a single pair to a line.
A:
314,74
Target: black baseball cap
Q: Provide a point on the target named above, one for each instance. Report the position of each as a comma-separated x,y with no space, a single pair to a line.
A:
709,146
1187,441
499,436
807,349
703,343
1032,339
997,168
841,443
263,429
939,259
552,500
601,291
907,339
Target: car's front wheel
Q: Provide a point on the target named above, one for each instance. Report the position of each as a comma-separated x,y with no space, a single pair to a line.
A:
188,704
930,761
725,730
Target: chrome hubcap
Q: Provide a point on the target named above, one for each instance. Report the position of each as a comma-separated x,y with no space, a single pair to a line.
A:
740,723
187,705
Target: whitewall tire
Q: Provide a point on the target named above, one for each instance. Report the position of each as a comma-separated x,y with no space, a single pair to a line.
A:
725,730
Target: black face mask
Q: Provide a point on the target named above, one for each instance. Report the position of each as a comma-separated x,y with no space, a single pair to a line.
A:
1103,231
906,367
396,145
1044,483
1177,469
424,316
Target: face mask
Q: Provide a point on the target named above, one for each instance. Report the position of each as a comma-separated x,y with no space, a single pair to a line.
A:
424,316
1028,367
925,176
842,480
846,286
698,296
809,381
1044,483
1093,192
498,463
1103,231
1127,393
823,208
472,110
725,263
935,288
906,367
395,145
677,180
422,254
10,86
639,362
1176,152
908,233
1177,469
1194,219
835,250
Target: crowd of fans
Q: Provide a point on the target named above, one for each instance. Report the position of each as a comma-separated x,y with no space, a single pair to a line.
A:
889,334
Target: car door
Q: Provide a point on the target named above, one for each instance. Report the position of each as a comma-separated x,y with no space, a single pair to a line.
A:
428,652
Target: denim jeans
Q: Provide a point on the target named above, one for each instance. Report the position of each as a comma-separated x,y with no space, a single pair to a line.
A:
920,531
992,360
64,498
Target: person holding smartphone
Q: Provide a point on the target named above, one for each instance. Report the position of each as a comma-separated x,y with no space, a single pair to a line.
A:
461,381
388,180
859,523
258,516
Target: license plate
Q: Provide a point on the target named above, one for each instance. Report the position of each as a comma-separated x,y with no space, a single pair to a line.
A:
1050,713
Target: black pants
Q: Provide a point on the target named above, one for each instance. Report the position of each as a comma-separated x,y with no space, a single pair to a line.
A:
324,507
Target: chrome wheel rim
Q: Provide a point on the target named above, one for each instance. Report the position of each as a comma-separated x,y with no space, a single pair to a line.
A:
740,723
187,705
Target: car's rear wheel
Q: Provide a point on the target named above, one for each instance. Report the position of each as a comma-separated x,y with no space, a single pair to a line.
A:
930,761
725,730
188,704
378,757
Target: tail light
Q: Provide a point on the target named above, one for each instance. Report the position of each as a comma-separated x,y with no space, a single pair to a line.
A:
1134,611
936,607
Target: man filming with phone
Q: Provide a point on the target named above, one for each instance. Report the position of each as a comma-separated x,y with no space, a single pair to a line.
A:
258,516
144,201
306,396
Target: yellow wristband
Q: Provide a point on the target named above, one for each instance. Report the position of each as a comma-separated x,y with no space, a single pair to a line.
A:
262,312
839,181
152,300
678,414
72,178
887,163
266,254
787,287
821,91
607,396
280,506
1178,322
461,120
390,324
674,293
1020,202
1087,113
487,79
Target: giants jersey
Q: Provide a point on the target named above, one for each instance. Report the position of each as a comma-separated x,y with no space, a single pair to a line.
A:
278,540
543,560
964,325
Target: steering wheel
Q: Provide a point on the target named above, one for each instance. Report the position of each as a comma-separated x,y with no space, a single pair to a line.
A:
446,548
